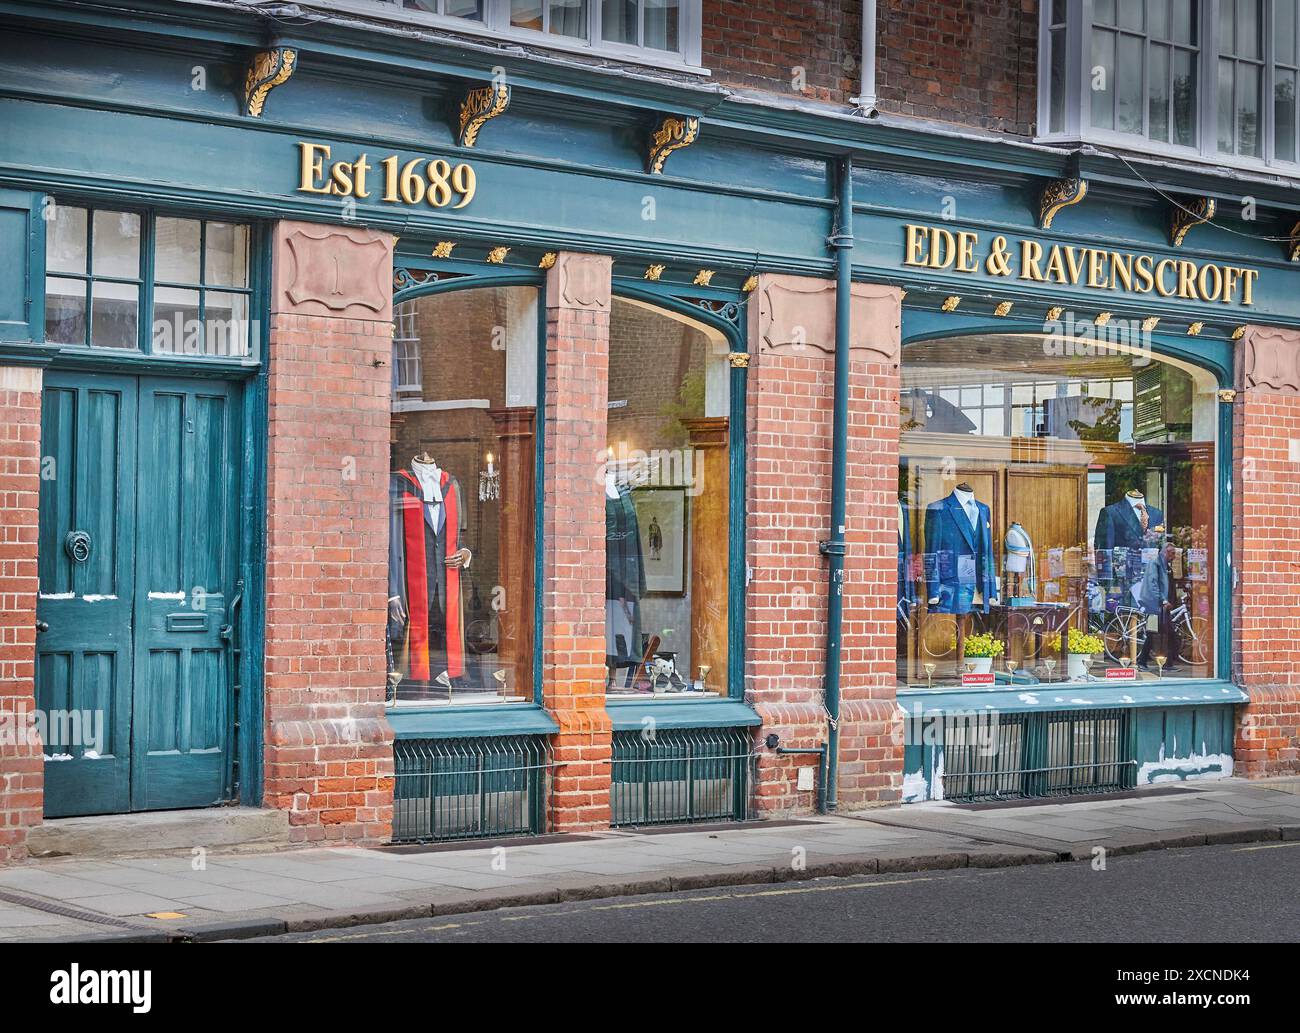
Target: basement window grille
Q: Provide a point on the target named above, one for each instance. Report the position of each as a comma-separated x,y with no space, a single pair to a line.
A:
1025,756
470,788
681,776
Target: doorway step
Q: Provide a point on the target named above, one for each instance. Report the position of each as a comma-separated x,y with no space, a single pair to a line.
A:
161,832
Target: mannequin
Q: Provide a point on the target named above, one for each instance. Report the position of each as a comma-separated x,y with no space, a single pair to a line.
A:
1129,540
426,620
624,576
1021,563
959,565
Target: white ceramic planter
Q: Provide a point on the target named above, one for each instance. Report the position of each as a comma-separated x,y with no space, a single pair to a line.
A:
980,664
1076,666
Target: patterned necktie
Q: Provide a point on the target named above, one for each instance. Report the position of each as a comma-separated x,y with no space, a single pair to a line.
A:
1142,516
973,514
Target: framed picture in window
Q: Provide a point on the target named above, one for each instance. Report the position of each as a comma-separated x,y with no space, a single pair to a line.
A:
661,515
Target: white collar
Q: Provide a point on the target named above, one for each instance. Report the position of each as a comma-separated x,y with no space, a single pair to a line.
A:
1136,502
963,497
429,477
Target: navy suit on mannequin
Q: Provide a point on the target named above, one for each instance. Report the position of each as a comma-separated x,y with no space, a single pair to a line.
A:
959,556
1120,527
1120,541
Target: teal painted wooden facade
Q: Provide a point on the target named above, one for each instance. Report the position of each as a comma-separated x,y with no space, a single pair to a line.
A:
561,169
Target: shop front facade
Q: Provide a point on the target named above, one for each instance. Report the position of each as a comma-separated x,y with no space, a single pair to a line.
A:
435,441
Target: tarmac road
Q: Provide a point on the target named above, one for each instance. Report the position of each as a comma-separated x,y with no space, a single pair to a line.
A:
1214,894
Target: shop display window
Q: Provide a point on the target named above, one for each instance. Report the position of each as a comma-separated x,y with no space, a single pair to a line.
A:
1057,514
665,478
462,500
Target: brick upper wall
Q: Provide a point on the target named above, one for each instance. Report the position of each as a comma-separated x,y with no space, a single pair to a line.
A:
761,44
969,62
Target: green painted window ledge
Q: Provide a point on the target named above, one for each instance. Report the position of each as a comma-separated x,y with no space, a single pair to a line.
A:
532,719
475,720
1097,695
630,714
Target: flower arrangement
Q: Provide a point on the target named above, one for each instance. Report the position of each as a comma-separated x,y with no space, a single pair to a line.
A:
983,645
1077,642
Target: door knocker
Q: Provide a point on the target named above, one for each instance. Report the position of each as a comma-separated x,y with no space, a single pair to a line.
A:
77,545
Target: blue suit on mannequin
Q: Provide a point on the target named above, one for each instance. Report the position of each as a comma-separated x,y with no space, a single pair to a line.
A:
959,555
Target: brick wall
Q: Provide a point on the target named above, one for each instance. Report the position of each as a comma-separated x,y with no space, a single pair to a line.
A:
1266,603
573,584
969,62
790,394
797,49
328,747
21,763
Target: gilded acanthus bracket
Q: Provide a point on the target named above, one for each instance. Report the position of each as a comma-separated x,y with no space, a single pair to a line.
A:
671,133
267,70
1058,194
1293,246
477,106
1186,214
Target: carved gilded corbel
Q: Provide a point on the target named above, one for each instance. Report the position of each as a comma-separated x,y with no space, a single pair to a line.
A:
267,70
1194,212
1293,246
477,106
671,133
1058,194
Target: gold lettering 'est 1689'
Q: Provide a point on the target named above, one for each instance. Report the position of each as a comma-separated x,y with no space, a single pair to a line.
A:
936,248
434,181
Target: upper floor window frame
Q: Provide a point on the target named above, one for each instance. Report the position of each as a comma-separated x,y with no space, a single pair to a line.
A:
1068,25
496,22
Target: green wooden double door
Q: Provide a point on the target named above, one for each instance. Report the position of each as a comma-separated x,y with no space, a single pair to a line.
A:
139,552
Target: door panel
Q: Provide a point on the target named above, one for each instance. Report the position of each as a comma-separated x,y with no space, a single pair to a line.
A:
134,669
84,659
186,525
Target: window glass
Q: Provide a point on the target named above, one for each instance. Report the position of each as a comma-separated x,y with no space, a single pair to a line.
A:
65,311
201,297
93,284
1078,541
618,21
66,240
177,253
662,24
568,18
462,500
666,483
116,244
114,314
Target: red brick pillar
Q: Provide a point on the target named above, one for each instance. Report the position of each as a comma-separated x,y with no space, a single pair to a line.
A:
790,396
1266,512
328,746
22,769
573,603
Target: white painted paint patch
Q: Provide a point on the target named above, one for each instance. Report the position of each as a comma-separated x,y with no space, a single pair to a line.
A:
98,598
915,787
166,595
1028,697
1196,767
58,595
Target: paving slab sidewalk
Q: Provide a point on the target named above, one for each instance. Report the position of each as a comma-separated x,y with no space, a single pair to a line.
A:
241,895
1229,810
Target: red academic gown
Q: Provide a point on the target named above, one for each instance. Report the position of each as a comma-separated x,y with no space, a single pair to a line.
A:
418,575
